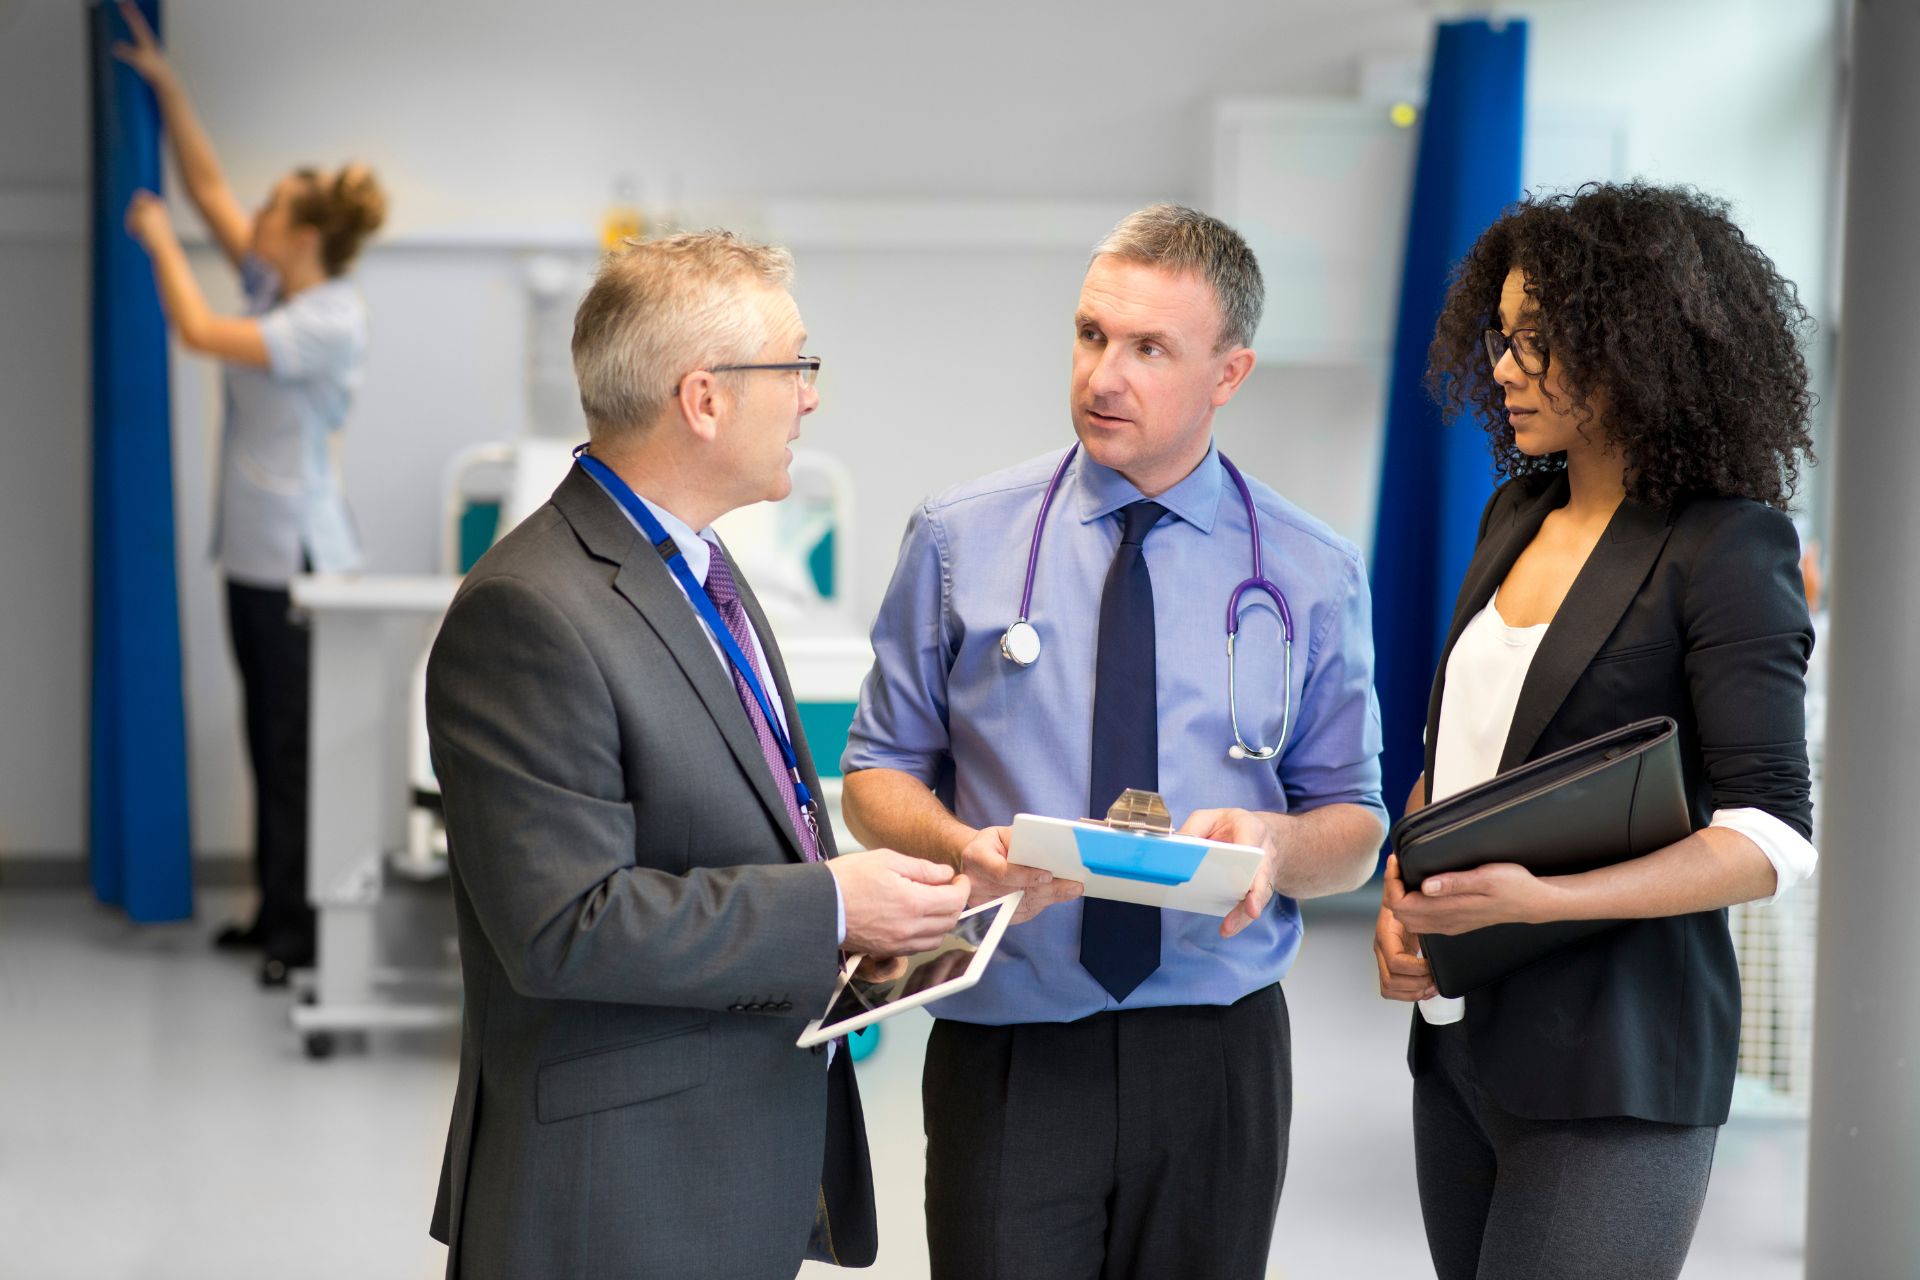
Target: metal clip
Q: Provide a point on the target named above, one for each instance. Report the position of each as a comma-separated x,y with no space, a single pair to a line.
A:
1138,810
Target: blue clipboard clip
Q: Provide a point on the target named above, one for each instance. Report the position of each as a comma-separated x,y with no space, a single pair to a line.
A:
1134,843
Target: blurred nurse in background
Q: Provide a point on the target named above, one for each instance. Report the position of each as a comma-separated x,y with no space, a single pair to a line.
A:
291,364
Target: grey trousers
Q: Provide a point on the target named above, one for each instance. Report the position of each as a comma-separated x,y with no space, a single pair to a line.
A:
1142,1144
1507,1198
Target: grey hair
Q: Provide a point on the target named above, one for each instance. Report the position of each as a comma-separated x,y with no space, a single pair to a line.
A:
659,309
1178,239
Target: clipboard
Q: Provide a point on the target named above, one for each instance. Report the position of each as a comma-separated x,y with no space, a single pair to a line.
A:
1134,857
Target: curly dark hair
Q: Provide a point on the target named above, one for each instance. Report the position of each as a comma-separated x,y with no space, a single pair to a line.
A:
1653,298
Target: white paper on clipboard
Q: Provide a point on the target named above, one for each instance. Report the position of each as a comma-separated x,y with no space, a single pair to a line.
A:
1181,873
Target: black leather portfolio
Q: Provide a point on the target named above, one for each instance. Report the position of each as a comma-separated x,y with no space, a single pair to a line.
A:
1596,803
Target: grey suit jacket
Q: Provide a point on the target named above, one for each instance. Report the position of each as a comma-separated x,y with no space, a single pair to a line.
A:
640,938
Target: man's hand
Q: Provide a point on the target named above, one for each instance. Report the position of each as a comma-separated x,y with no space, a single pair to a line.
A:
144,54
984,859
1241,826
147,218
1404,975
876,970
1462,901
897,905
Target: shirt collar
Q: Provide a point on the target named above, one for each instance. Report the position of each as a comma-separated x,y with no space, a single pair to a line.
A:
1196,499
694,549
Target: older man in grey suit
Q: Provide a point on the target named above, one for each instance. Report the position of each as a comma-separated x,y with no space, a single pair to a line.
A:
647,915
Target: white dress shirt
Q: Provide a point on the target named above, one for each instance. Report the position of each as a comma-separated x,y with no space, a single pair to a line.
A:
1485,673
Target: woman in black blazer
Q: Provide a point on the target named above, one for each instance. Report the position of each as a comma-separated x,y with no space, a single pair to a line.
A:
1637,365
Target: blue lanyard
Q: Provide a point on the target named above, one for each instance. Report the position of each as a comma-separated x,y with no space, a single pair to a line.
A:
703,605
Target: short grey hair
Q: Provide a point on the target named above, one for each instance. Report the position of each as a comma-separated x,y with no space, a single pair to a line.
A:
659,309
1178,239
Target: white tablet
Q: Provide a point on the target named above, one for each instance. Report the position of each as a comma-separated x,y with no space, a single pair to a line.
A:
871,989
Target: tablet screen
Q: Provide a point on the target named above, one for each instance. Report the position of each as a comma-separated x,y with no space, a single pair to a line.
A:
878,983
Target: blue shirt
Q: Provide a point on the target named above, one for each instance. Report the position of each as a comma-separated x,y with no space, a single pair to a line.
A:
280,499
994,739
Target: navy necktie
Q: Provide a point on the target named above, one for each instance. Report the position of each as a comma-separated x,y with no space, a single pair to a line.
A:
1120,941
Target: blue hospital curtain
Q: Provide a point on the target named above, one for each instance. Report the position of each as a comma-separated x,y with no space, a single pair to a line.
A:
137,800
1437,476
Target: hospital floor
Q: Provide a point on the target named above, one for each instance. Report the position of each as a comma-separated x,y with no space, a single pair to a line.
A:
159,1122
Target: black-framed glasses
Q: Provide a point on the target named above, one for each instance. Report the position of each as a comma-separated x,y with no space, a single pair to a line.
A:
1528,347
808,367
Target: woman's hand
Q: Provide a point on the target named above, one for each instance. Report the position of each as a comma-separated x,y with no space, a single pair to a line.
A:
1462,901
1404,975
147,219
144,54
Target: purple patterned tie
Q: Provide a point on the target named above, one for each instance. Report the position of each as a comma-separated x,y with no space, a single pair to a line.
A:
725,594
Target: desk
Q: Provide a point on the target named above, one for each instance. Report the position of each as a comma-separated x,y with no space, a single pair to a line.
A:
386,957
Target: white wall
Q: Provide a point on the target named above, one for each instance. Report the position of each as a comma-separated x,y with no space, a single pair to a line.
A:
945,334
1736,97
45,496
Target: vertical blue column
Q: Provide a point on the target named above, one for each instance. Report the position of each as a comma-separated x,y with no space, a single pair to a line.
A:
1436,476
137,808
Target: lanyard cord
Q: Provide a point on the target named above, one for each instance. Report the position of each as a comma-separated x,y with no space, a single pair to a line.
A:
703,605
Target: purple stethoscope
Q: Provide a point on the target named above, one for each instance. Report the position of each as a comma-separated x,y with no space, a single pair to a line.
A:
1021,643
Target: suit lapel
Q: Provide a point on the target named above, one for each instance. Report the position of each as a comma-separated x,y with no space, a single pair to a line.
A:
646,583
1489,568
1600,594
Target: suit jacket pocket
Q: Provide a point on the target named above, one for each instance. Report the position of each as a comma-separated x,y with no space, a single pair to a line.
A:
1627,653
623,1075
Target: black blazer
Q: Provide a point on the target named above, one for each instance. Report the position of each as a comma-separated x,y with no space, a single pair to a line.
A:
1697,613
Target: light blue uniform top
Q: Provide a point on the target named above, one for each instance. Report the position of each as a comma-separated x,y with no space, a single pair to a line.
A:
280,498
944,705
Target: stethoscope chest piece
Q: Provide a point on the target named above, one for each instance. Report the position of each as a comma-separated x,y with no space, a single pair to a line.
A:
1021,644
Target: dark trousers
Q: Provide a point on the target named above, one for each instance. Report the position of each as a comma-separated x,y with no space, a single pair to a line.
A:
271,647
1505,1197
1149,1143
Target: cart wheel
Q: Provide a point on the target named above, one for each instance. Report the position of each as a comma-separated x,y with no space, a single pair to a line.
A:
319,1045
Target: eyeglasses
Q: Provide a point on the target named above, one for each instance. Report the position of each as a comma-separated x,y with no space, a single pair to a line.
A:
808,367
1528,347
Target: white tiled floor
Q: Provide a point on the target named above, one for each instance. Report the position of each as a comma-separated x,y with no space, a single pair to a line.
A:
158,1121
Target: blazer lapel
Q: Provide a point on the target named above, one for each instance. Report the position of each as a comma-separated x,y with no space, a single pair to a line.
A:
1488,569
1600,594
646,583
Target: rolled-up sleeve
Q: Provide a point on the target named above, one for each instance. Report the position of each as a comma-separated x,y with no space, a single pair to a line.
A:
1748,639
902,719
1333,755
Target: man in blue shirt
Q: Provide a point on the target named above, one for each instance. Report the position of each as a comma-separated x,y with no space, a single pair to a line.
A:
1113,1098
